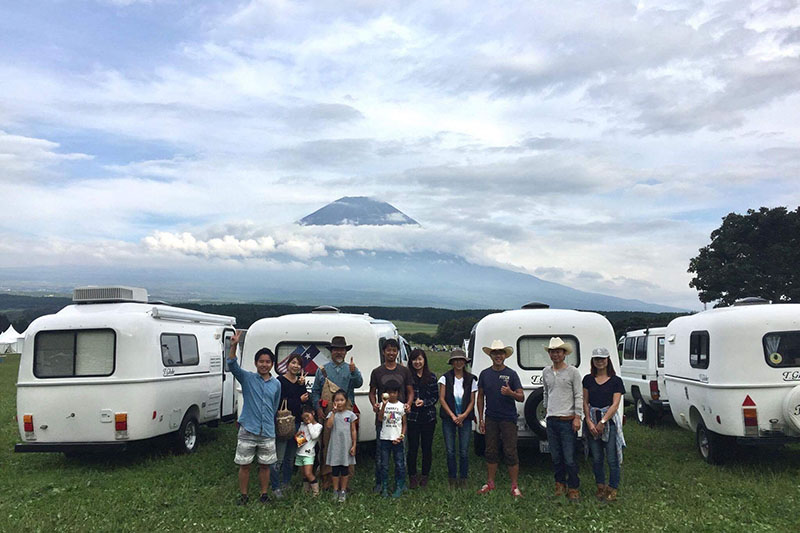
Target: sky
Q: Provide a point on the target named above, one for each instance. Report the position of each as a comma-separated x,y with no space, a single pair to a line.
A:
593,144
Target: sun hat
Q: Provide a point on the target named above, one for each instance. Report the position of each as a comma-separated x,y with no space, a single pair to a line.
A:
556,343
498,345
457,353
339,342
600,352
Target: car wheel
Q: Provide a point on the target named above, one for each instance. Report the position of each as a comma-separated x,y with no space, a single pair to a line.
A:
186,441
644,414
709,444
535,413
479,441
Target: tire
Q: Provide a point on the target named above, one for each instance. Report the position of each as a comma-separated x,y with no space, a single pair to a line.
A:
479,441
710,445
186,438
645,415
535,416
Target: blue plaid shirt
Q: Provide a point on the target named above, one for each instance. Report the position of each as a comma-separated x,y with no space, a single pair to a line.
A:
261,400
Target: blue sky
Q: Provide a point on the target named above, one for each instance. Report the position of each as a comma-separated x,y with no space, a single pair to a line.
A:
595,145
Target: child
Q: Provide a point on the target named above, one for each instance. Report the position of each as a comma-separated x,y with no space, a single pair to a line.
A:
342,445
392,416
307,437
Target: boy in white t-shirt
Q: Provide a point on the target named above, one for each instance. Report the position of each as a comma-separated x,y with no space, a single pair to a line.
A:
392,417
307,437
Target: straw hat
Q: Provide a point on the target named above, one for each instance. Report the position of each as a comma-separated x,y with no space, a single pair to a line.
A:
556,343
498,345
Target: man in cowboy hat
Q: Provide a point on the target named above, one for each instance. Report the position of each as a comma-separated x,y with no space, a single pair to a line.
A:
499,386
344,376
563,400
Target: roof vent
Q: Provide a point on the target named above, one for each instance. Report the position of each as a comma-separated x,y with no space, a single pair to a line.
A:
94,295
325,309
750,300
536,305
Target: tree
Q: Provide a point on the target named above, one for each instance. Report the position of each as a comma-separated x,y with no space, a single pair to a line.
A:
454,331
757,254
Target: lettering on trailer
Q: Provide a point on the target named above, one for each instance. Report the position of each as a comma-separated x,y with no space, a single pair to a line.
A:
169,372
791,375
536,380
797,410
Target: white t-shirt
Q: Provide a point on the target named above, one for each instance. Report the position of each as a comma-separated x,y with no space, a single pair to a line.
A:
312,434
458,392
392,426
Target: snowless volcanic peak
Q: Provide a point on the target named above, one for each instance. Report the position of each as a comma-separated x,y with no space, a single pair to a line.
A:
357,211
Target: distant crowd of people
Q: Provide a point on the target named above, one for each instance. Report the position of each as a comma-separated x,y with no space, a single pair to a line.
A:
319,436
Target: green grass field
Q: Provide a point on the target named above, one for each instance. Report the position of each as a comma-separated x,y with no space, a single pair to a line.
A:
406,328
665,487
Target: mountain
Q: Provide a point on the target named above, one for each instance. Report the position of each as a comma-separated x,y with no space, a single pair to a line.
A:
357,211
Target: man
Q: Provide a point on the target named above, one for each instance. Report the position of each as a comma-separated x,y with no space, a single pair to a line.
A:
379,380
261,394
344,376
563,400
499,388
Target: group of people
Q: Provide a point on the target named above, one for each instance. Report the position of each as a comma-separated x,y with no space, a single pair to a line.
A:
403,400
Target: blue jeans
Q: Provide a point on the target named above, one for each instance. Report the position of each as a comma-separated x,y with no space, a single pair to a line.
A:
599,448
562,440
378,453
399,461
453,433
281,472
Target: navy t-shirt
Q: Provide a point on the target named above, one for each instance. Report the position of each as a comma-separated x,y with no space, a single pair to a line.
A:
602,395
499,407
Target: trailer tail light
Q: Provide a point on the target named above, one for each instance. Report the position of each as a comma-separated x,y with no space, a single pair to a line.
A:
654,392
750,415
121,425
27,423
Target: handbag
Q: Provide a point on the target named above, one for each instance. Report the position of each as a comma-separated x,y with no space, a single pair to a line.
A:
329,388
284,422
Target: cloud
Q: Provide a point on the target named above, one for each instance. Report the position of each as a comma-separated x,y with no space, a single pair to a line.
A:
31,158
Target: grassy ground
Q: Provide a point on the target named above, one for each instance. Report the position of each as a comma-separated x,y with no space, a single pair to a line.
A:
665,487
406,328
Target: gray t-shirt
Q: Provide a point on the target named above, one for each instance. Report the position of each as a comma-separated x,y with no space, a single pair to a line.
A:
563,391
341,441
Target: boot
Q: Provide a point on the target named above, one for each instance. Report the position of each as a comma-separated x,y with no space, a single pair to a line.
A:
385,488
399,488
423,481
601,492
573,495
453,482
611,494
462,483
314,489
413,482
561,489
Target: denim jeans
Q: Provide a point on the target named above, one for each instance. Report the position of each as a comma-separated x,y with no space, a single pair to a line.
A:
562,440
609,449
420,435
281,472
399,460
453,433
378,453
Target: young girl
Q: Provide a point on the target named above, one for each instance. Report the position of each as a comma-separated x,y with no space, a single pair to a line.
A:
306,438
342,445
392,417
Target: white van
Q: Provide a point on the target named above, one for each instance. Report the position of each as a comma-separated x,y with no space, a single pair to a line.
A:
112,369
733,375
642,372
528,330
309,334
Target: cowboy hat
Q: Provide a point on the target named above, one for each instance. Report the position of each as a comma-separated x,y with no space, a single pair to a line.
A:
556,343
457,353
339,342
498,345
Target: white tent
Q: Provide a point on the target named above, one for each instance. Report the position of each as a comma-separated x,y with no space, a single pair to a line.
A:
10,341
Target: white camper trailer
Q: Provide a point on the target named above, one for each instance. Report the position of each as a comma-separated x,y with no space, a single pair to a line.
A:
528,330
733,375
642,372
308,334
112,369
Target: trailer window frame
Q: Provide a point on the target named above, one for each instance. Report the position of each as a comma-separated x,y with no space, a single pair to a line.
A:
767,352
544,338
180,337
74,332
695,342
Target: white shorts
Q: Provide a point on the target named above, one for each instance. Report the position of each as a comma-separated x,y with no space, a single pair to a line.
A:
250,446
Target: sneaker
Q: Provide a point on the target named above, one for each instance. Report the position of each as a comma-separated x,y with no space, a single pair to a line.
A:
242,499
265,498
611,495
462,483
423,481
487,488
515,492
377,488
336,495
278,493
413,482
342,496
601,492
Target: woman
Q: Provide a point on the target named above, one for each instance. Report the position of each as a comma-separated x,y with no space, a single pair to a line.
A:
293,390
457,389
421,418
602,394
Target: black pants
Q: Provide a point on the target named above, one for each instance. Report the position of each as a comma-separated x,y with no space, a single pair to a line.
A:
420,433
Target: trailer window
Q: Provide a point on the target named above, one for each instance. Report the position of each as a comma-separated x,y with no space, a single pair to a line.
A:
641,348
698,349
75,353
782,349
314,354
179,350
628,349
531,353
660,354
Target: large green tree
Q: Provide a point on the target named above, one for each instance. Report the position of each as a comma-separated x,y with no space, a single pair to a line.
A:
757,254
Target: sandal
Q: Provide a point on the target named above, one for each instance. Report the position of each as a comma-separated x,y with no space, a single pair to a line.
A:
487,488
